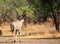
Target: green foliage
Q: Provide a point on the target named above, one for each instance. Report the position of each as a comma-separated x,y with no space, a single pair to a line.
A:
39,6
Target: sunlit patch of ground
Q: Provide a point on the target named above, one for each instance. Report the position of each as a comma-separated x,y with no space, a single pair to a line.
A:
46,30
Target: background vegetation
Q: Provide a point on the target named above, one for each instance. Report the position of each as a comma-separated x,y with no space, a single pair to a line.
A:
33,11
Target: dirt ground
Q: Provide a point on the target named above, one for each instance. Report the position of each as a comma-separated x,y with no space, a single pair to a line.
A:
5,40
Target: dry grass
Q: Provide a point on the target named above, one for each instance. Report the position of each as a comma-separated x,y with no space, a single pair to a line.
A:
33,31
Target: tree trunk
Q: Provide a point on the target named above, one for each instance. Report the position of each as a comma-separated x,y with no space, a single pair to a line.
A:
56,22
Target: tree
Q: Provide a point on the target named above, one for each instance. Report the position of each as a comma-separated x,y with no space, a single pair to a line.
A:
45,7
